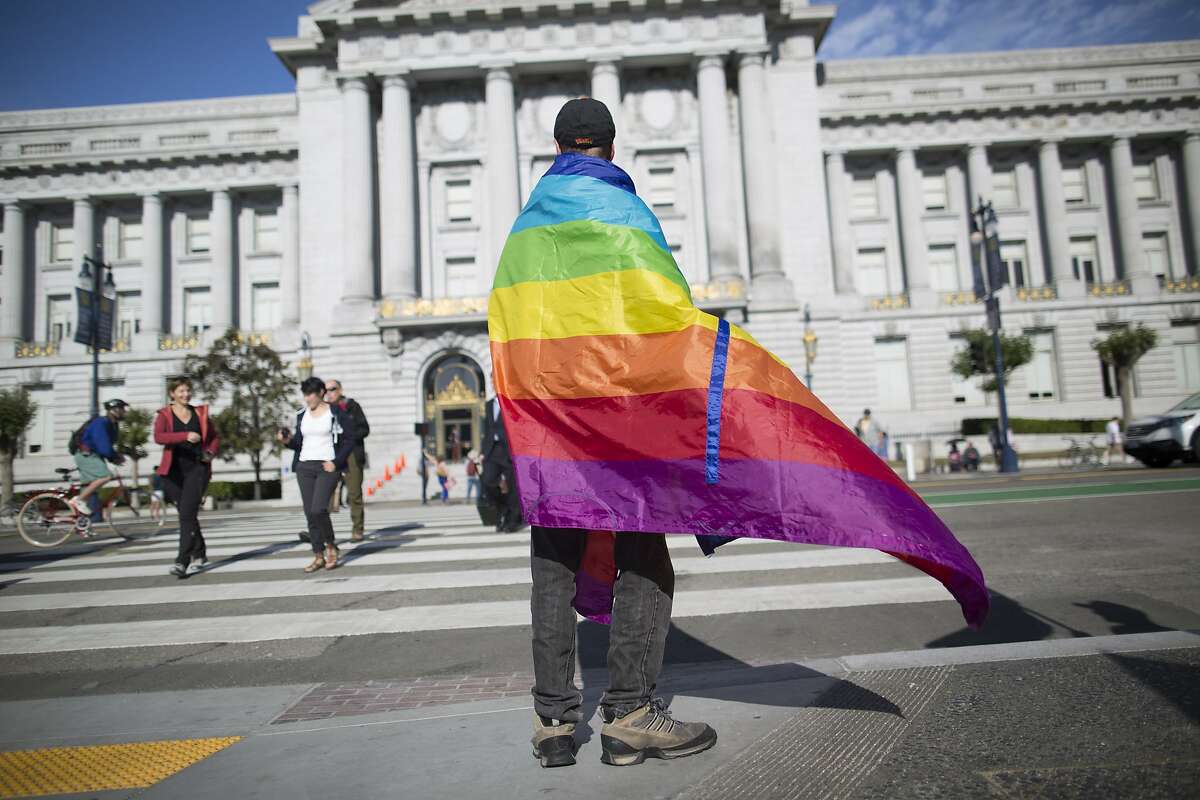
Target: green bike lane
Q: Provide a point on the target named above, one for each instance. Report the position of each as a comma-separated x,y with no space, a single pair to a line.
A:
1064,491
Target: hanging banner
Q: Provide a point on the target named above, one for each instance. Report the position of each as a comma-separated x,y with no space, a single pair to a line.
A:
104,327
103,312
83,316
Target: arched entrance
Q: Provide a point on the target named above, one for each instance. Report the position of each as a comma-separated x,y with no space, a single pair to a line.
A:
454,401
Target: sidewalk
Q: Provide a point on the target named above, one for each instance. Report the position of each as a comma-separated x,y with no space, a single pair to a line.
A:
1114,716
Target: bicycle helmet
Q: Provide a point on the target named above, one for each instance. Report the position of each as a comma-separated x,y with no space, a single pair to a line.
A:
116,402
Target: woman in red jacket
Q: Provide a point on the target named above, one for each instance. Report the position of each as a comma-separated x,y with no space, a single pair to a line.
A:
189,443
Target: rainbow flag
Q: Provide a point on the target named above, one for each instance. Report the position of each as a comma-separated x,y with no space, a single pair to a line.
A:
629,409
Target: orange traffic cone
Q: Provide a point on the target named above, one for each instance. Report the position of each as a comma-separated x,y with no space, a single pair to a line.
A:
378,484
370,491
399,464
387,472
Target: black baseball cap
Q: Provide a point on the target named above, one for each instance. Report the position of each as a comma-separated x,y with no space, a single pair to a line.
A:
584,122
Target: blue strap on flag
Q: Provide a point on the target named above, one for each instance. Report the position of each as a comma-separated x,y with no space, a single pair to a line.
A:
716,395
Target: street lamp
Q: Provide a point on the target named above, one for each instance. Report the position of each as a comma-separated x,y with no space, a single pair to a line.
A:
96,293
305,365
810,347
990,275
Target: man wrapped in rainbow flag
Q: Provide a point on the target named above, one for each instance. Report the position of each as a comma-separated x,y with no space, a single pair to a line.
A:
632,414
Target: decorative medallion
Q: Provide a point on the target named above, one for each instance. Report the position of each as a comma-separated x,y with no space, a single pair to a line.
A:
452,121
659,108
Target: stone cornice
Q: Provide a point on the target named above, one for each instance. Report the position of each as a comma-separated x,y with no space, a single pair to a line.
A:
58,119
975,64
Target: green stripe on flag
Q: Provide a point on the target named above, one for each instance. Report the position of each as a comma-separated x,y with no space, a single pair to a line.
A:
578,249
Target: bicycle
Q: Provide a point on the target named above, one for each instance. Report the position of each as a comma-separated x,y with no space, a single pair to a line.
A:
1080,456
47,519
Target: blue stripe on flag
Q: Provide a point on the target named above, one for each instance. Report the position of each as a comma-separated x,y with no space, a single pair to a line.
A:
716,395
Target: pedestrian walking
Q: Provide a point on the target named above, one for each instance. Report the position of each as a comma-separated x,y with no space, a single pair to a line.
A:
323,440
656,417
94,443
356,464
423,474
443,476
498,475
473,477
190,442
1114,440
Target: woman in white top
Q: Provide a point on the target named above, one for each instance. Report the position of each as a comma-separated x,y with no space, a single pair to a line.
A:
323,440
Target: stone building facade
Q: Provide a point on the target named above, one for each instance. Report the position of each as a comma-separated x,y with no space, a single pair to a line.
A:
367,208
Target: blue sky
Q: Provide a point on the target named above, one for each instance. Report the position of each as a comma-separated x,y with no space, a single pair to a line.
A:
57,53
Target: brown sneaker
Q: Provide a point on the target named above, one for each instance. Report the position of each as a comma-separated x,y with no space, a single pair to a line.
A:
553,741
650,732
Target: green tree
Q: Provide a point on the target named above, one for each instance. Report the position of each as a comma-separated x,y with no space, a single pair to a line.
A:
978,357
258,386
17,410
132,437
1121,349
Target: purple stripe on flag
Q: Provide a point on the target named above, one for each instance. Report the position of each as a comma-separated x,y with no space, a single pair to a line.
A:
781,500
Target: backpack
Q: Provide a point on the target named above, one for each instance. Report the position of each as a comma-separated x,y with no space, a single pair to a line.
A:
74,444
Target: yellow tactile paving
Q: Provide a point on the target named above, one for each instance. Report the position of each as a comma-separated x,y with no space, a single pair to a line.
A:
66,770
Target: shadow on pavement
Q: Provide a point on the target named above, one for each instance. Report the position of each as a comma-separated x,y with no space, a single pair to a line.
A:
257,552
1178,684
1122,618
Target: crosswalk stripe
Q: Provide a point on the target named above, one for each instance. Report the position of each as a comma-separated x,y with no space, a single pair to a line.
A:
317,624
324,585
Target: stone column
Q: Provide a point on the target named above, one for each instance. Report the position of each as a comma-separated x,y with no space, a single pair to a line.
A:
839,222
84,230
606,87
397,191
358,200
152,264
289,267
1058,241
1133,260
979,175
1191,176
770,286
220,248
715,152
12,291
504,188
912,234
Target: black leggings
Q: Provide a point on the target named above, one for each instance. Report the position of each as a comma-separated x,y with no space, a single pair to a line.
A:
185,488
316,489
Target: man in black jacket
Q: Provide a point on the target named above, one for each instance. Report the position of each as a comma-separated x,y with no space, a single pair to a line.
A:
499,478
352,478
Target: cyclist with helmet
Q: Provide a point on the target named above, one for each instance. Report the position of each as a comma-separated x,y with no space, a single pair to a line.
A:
97,444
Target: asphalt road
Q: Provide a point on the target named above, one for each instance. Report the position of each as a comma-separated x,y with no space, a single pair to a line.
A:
1064,555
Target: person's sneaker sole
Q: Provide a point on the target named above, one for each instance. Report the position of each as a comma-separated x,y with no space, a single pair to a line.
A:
557,751
179,572
618,754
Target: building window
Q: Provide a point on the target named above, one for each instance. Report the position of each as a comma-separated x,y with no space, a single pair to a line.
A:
40,436
197,310
943,268
933,187
1040,380
864,198
1004,189
62,242
662,189
1158,257
891,374
266,233
264,306
1185,345
197,234
872,278
58,318
129,315
461,280
1074,185
964,391
1145,180
129,239
1083,259
459,201
1012,254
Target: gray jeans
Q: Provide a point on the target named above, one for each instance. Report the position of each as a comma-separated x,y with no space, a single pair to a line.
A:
316,488
640,620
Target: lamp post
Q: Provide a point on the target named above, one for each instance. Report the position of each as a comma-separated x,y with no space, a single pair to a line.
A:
305,365
990,276
810,347
96,293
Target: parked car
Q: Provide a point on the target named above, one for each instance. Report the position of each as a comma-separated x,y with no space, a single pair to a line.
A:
1158,440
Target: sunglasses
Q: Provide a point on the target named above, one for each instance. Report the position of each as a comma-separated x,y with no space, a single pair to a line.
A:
332,388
